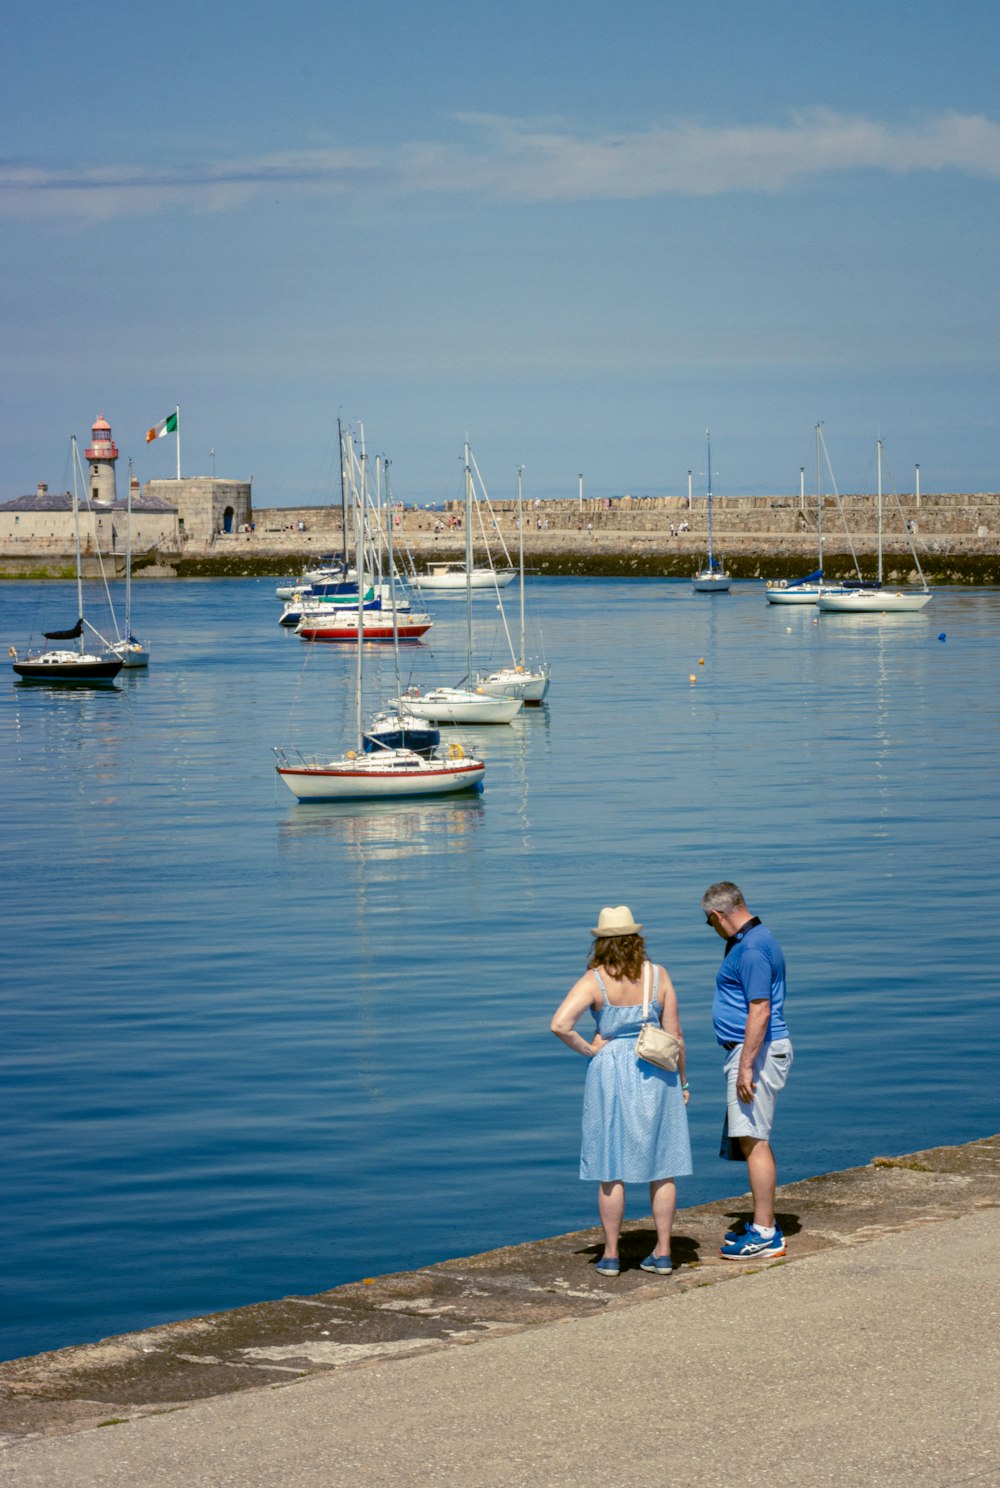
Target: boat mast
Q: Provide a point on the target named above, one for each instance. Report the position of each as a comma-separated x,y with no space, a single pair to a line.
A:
468,567
343,492
879,461
359,559
76,541
520,554
392,583
128,558
819,502
711,563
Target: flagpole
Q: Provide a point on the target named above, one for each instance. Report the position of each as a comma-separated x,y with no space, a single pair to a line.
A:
177,413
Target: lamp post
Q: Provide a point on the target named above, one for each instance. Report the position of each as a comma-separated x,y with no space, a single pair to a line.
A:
580,479
802,488
689,490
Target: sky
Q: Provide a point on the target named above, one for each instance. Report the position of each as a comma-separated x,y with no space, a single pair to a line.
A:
577,235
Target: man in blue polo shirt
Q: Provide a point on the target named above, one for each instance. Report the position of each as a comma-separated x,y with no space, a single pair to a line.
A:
748,1014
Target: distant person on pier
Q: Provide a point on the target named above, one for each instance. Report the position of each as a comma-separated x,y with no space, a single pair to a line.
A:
634,1119
748,1014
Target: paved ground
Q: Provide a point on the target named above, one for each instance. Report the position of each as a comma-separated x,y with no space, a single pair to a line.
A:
872,1358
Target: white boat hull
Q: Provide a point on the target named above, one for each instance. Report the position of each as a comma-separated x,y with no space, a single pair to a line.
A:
805,593
455,705
512,682
132,653
873,601
455,581
387,776
287,588
802,594
711,583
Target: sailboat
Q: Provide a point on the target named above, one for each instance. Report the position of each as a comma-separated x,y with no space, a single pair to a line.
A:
518,680
876,600
132,652
460,704
377,769
712,577
60,664
387,729
456,578
808,589
371,612
448,577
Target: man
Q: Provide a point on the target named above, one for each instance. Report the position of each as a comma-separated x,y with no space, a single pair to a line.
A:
748,1014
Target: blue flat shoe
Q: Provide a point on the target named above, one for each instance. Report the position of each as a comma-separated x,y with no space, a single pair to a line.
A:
661,1265
608,1266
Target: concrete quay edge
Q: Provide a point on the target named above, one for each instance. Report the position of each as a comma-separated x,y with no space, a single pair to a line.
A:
459,1302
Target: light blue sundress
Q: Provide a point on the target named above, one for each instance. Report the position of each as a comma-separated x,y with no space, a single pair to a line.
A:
634,1119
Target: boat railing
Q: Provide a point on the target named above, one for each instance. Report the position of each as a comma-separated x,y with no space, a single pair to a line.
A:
289,759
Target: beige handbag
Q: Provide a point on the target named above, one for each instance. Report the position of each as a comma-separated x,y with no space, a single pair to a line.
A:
654,1044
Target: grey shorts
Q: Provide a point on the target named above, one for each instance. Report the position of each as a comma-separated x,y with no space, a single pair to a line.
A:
770,1072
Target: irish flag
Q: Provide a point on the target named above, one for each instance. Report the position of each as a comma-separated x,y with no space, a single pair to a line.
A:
165,426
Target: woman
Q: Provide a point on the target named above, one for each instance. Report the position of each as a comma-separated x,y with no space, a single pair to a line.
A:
634,1117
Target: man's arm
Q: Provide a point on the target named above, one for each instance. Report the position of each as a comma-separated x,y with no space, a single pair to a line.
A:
758,1022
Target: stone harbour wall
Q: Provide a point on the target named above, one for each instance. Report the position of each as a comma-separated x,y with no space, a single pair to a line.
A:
956,537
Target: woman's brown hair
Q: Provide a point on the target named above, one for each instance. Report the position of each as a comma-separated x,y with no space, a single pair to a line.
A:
620,955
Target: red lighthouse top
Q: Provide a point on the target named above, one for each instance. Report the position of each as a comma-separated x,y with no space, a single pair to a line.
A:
103,447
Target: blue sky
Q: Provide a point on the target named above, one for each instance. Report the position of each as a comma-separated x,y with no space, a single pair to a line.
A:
579,234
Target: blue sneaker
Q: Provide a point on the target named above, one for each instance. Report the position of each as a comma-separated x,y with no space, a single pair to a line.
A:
738,1230
608,1266
751,1244
661,1265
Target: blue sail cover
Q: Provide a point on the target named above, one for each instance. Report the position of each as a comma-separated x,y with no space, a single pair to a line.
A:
812,578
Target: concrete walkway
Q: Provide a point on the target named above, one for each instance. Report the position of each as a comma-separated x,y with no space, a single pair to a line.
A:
873,1361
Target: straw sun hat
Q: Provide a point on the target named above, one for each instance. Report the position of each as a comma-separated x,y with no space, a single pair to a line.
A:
616,921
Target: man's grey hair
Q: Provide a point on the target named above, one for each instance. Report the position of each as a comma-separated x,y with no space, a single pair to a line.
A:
723,897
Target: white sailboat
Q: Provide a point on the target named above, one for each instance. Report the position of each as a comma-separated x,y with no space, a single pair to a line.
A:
876,600
455,578
371,770
711,578
133,653
59,664
449,577
807,590
518,680
456,705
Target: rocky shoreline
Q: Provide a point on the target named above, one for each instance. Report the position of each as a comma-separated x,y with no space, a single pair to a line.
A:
559,557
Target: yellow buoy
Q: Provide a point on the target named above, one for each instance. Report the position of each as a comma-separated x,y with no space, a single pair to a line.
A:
701,661
692,677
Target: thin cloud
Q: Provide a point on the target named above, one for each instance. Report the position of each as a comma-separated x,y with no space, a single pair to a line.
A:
531,161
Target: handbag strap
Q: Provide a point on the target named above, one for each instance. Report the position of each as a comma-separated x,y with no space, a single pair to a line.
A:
647,989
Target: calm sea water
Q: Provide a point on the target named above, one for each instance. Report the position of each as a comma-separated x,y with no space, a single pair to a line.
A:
253,1047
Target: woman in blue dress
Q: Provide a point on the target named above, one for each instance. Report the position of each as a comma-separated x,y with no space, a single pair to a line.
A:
634,1118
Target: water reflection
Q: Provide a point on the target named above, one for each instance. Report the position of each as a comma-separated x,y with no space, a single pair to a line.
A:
381,830
508,752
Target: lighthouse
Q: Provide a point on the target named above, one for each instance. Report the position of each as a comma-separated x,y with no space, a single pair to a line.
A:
102,455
